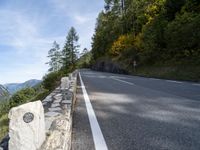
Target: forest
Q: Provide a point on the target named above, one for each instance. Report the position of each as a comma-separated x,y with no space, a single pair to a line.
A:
160,36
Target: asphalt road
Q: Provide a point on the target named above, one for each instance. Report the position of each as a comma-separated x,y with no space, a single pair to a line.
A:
136,113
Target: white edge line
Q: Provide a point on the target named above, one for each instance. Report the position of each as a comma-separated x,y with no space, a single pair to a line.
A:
123,81
173,81
97,134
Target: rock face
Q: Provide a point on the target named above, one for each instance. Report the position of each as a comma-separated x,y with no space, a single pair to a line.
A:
107,65
27,126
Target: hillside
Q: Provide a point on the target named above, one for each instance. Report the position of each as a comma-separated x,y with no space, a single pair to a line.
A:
14,87
3,92
160,36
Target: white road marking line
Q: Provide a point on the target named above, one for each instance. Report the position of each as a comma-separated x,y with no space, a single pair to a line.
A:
196,84
120,77
173,81
98,138
153,79
123,81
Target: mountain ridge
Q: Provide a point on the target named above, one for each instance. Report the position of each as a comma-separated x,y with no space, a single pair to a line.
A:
14,87
4,93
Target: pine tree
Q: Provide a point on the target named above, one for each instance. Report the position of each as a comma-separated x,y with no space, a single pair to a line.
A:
85,51
70,50
54,54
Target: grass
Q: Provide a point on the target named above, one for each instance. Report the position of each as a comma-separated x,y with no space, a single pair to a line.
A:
41,95
3,126
184,73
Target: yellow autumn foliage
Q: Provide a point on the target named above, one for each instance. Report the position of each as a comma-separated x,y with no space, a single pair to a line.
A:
123,43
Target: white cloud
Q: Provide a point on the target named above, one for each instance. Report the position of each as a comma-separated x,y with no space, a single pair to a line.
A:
23,35
80,19
30,34
83,14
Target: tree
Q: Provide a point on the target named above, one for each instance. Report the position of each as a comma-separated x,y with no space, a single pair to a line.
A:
22,96
54,54
85,58
85,51
182,36
70,50
151,31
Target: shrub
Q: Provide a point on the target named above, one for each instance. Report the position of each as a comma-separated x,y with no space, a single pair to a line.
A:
52,80
126,48
21,97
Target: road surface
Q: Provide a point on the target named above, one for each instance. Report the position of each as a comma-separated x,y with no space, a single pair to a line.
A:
120,112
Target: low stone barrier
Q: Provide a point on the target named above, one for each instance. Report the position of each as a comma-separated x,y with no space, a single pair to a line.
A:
45,125
58,115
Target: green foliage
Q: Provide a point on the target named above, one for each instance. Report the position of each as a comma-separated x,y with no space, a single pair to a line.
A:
21,97
41,95
107,31
85,59
161,31
70,50
153,42
180,72
4,107
3,126
182,36
54,54
172,7
123,43
52,80
126,46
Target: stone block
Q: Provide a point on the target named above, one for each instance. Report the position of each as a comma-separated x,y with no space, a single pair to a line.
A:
53,105
64,83
60,135
55,109
27,126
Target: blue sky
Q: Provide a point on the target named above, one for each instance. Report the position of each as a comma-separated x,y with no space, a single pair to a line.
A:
29,27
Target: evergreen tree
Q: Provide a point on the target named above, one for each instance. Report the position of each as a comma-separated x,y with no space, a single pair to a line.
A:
85,51
54,54
70,50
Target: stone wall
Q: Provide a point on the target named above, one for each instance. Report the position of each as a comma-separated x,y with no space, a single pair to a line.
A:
58,115
45,125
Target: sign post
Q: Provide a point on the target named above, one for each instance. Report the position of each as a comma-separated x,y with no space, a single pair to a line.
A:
134,65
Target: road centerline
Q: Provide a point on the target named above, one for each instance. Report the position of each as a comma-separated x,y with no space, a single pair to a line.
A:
123,81
153,79
97,134
196,84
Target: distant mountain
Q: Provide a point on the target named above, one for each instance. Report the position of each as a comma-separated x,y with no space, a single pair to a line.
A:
3,92
14,87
